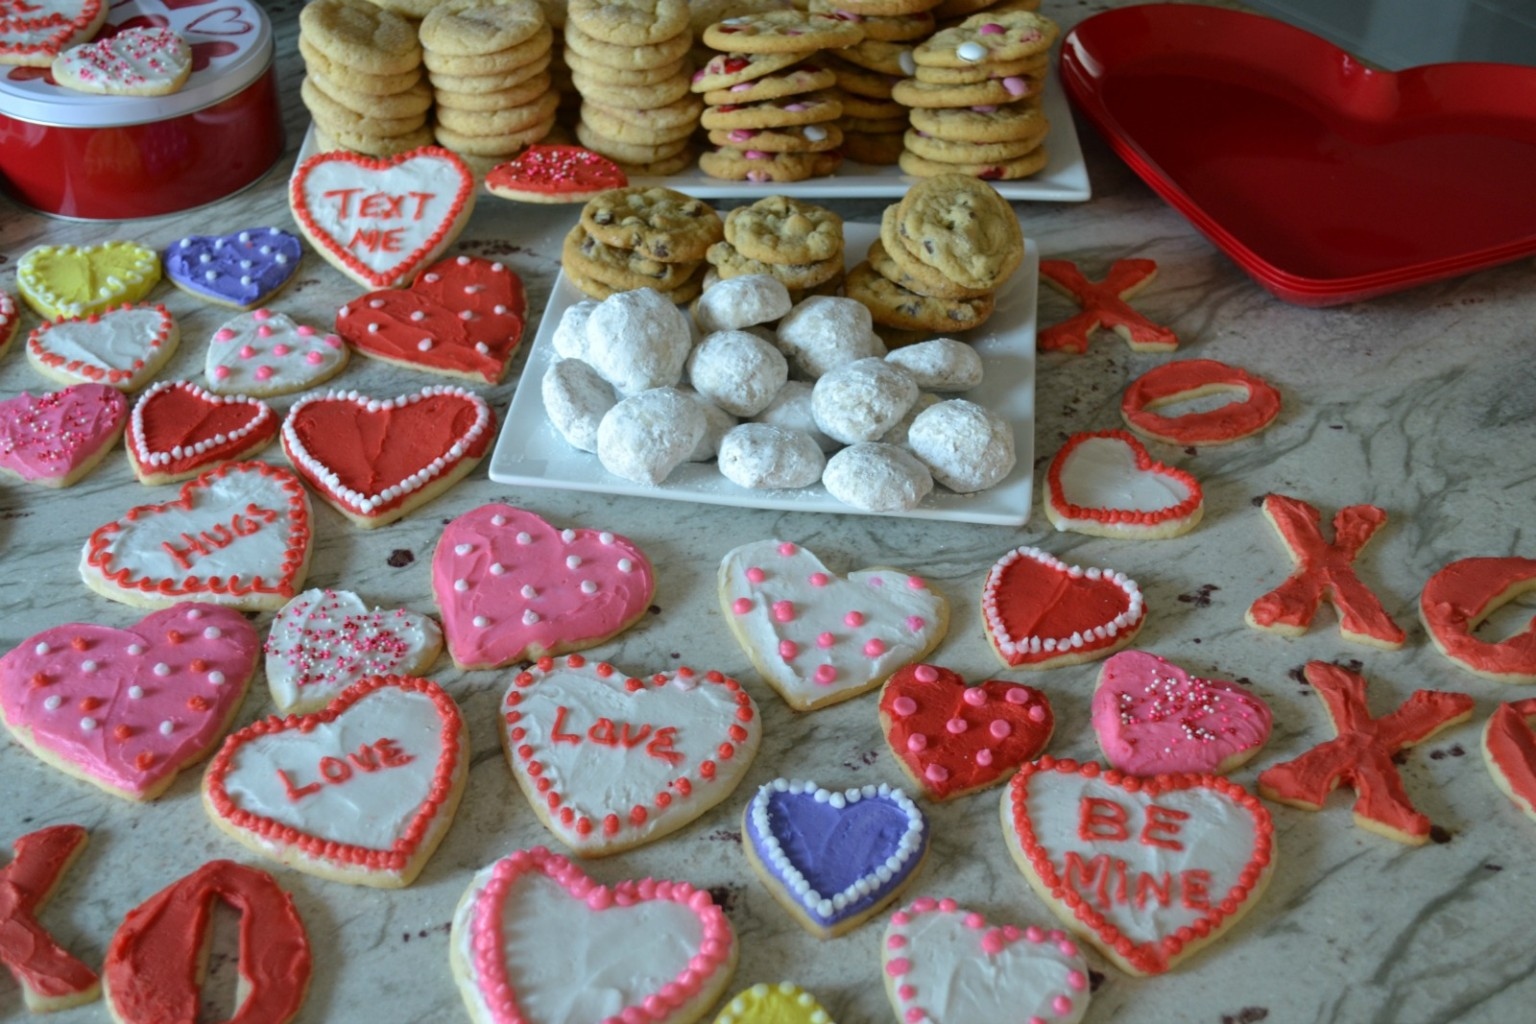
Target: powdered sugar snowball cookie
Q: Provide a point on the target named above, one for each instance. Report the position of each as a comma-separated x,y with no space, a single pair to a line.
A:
576,398
763,457
862,400
569,339
877,477
965,446
638,340
56,438
323,641
645,437
739,302
941,364
791,410
263,353
737,371
897,435
717,423
824,332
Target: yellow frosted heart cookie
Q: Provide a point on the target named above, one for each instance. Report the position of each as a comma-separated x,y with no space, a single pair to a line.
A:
784,1003
67,280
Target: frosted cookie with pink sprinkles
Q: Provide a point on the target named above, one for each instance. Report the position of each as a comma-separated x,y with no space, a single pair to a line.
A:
263,353
134,62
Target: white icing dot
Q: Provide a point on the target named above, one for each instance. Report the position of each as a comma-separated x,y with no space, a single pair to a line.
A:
52,703
136,692
528,590
40,649
461,585
481,621
135,649
523,537
530,617
87,724
212,633
162,669
497,569
216,677
463,549
625,565
572,561
588,587
567,535
167,727
88,666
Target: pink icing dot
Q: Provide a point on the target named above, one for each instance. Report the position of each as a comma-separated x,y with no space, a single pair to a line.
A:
1062,1005
304,330
825,640
874,648
313,358
975,696
741,606
825,675
756,575
263,331
1000,729
263,373
261,314
246,351
992,942
917,742
333,341
1034,933
281,350
973,920
936,773
915,583
819,579
783,611
787,549
788,649
1017,695
854,619
1077,980
223,334
984,757
915,623
925,673
903,705
957,725
221,372
1037,713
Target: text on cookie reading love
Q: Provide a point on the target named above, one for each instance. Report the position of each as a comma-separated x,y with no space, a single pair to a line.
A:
622,735
377,209
334,771
222,535
1110,881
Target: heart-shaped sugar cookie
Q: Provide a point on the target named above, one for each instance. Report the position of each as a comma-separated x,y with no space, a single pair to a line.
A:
818,638
512,586
610,762
138,61
178,429
379,221
532,932
76,281
1147,870
243,268
123,347
238,535
126,709
10,321
1107,484
944,964
784,1003
323,641
360,792
375,460
952,739
266,353
1041,612
55,439
462,317
33,33
1152,717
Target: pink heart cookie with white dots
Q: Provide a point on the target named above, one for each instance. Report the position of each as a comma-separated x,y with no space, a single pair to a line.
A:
513,587
126,709
264,353
818,638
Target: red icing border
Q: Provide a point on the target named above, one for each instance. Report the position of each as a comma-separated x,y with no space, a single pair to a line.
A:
1145,463
40,965
1173,381
1103,305
1465,592
95,373
1509,744
90,10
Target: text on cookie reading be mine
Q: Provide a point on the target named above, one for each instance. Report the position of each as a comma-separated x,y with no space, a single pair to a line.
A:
1110,880
354,204
605,733
368,758
221,535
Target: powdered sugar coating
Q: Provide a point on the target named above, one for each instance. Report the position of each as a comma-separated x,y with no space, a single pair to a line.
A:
791,409
737,371
570,337
648,435
760,456
717,423
638,340
898,433
965,446
941,364
741,302
576,398
877,477
862,400
825,332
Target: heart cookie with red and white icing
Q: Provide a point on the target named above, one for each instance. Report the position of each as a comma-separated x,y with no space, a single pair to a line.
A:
360,792
265,353
374,459
1041,612
610,761
513,587
75,281
951,738
57,438
123,347
532,931
238,535
944,964
1147,870
33,33
462,317
139,61
126,709
178,429
379,221
10,321
1106,484
818,638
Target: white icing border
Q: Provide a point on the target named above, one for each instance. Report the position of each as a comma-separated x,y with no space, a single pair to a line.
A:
1034,644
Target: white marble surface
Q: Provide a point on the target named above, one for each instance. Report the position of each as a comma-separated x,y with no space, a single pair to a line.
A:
1423,403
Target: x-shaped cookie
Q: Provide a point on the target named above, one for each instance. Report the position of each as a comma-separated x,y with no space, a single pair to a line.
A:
1103,305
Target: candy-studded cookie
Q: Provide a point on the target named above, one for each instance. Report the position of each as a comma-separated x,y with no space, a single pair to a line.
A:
782,32
988,36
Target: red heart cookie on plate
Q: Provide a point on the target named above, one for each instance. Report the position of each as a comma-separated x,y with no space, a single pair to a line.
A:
951,738
57,438
462,317
361,792
1147,870
123,347
376,459
126,709
179,429
1041,612
1106,484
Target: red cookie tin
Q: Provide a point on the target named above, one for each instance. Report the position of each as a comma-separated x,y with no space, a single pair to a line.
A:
94,157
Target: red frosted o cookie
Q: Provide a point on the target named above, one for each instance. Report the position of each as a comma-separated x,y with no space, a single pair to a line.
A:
1509,750
1255,403
1460,596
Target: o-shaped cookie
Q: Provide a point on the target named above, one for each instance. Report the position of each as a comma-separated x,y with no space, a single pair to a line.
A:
1464,593
1189,379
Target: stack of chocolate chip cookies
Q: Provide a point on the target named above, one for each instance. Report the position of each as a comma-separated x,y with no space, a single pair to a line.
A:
629,61
943,252
638,237
975,98
771,113
363,83
796,243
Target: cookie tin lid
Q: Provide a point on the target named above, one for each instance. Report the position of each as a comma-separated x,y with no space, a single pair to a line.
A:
231,44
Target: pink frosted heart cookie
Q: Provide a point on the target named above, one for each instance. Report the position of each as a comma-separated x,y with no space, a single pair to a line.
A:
944,964
1152,717
532,932
150,61
818,638
1042,613
178,429
265,353
379,221
361,792
57,438
1106,484
126,709
123,347
238,535
1147,870
513,587
33,32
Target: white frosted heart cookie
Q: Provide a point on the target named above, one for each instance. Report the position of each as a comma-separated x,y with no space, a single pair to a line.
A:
1106,484
263,353
134,62
123,347
33,33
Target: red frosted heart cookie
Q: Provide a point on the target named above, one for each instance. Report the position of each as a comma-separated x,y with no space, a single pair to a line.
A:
1460,596
179,429
1041,612
951,738
57,438
1106,484
555,174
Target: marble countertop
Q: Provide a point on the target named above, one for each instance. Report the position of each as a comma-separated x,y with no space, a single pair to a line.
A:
1421,402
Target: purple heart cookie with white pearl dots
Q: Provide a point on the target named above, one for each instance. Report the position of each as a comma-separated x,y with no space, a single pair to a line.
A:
243,269
263,353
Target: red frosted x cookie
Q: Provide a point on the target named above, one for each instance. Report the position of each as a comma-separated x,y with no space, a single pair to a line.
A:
50,978
1324,570
1103,305
1360,757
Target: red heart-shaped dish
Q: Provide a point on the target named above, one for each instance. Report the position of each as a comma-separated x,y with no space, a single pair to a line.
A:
1326,180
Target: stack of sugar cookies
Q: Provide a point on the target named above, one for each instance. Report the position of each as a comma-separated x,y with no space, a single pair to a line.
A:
795,243
629,62
569,109
771,113
488,63
636,237
943,252
363,83
975,98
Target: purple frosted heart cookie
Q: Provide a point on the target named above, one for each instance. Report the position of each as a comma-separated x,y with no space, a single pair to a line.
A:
834,858
242,269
